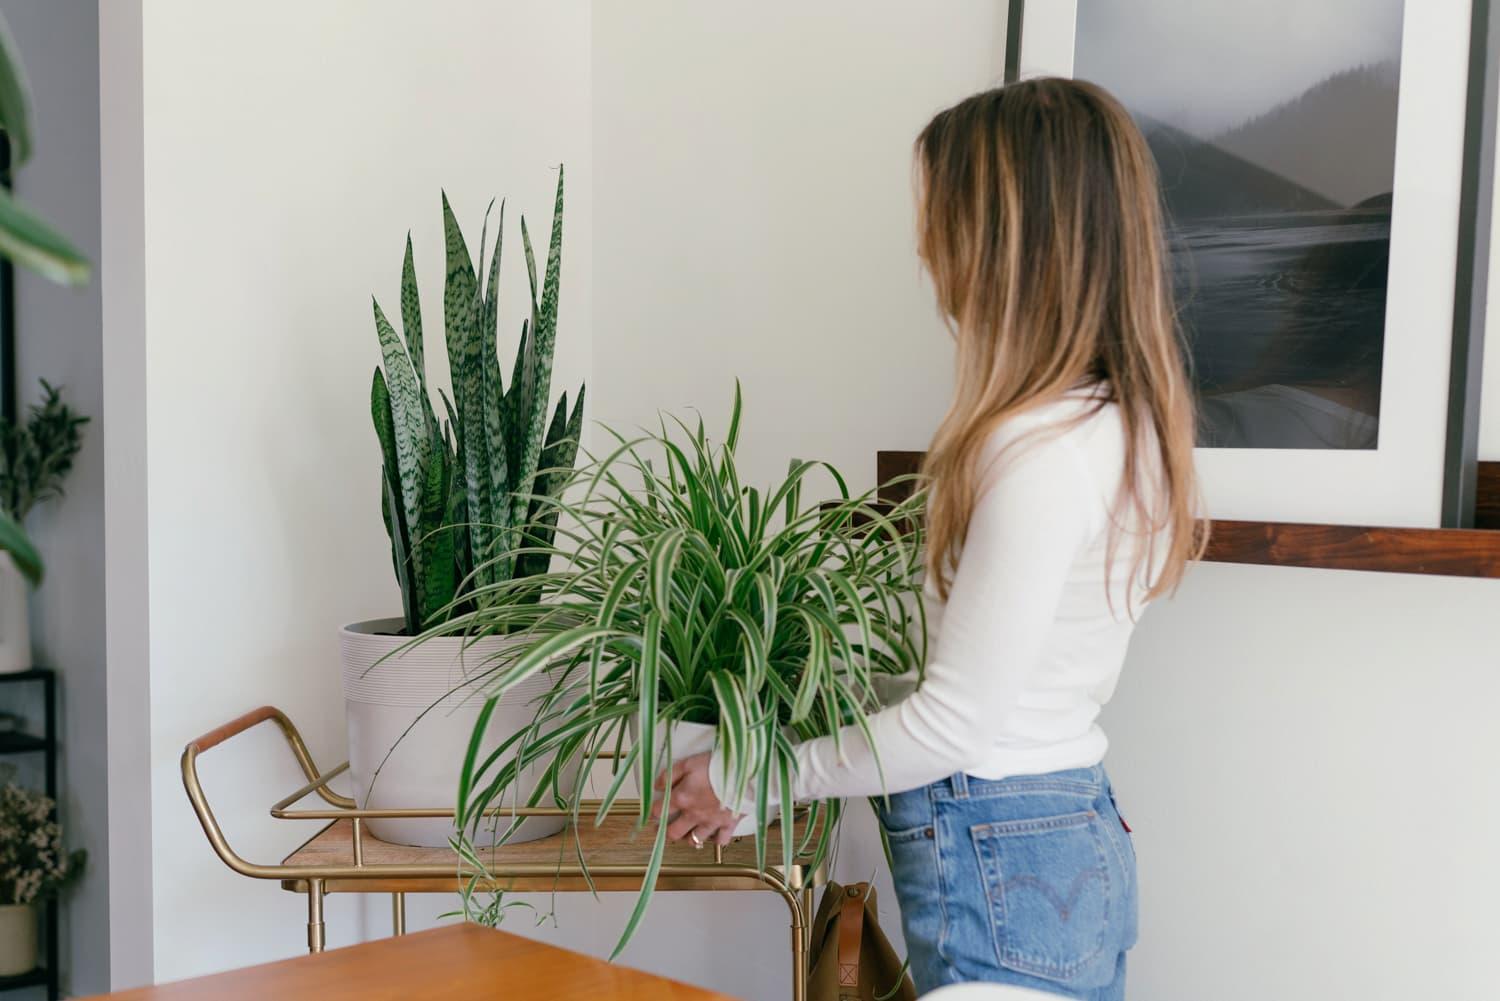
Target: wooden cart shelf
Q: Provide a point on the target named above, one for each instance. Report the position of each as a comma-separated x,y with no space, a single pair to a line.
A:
540,866
343,858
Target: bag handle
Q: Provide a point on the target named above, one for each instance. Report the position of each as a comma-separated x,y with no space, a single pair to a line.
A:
851,935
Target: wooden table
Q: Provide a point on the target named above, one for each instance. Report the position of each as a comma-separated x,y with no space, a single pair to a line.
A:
456,962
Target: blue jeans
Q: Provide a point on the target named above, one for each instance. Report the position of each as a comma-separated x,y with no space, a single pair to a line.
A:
1028,880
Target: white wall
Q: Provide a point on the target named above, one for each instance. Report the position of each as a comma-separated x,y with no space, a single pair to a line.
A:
754,216
58,339
1305,757
288,147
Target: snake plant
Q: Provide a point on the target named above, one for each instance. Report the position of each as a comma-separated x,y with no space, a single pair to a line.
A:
463,497
683,594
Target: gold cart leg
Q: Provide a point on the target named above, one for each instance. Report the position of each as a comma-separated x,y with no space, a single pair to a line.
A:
799,946
807,916
398,914
315,915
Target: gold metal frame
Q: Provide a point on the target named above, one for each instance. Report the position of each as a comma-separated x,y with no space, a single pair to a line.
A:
795,886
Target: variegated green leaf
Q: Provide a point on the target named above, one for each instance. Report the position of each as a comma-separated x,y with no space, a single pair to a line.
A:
15,98
399,555
23,554
392,506
33,244
512,407
647,722
408,410
439,568
411,317
461,322
537,380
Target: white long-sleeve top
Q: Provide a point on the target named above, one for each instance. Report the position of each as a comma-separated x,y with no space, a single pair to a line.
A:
1029,645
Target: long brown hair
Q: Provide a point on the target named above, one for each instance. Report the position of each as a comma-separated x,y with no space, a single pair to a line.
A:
1039,219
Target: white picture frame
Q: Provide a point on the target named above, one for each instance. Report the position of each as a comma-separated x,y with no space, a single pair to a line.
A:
1401,482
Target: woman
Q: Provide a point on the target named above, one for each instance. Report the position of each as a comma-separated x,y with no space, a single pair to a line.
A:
1062,501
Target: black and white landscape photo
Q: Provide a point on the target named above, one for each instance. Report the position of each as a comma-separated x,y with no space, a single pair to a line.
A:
1274,128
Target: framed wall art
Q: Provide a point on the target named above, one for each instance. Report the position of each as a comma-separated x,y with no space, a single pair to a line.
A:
1327,172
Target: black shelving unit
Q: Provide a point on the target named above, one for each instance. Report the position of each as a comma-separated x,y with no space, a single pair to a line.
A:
46,974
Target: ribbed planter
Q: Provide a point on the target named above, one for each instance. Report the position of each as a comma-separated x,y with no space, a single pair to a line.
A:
410,717
17,939
15,624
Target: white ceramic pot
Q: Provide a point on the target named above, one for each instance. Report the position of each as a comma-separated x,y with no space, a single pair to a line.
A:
410,717
17,939
15,624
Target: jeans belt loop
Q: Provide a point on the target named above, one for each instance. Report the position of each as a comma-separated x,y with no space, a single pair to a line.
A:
960,783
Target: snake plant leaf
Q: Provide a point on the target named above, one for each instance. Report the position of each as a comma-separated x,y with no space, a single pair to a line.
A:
23,554
392,506
33,244
400,555
15,97
559,454
542,519
494,397
411,317
461,323
530,258
491,290
380,414
492,409
439,579
537,381
411,432
511,408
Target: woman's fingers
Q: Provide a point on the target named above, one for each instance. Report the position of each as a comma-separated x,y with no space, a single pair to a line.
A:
682,825
677,772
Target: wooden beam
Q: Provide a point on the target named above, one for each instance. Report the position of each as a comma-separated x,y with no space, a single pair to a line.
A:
1450,552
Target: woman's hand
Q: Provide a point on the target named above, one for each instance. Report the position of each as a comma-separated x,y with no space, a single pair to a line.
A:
695,811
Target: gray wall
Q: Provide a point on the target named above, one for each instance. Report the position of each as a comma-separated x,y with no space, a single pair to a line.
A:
58,337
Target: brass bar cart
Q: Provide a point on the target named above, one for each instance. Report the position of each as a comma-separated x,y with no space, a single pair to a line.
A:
344,858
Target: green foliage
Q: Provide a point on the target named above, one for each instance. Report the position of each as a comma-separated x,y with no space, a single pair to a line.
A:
683,594
36,456
464,497
13,540
24,238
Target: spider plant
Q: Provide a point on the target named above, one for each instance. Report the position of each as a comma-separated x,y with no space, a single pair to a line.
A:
684,595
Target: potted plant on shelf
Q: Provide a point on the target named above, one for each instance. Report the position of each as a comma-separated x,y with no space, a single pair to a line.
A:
33,868
463,501
35,457
689,608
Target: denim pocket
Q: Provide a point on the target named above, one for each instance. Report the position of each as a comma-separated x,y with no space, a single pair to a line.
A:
1048,882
